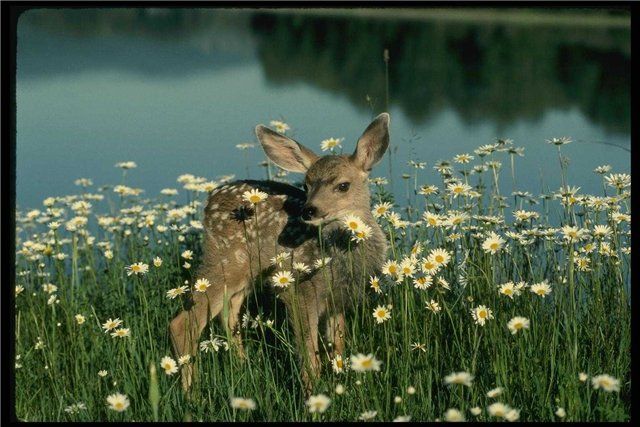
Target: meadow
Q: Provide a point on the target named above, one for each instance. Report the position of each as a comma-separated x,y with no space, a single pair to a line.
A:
495,304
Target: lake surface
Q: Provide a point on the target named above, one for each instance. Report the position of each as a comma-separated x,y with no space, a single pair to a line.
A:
176,90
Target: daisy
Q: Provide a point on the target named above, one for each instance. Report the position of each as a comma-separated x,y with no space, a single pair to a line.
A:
605,382
560,412
254,196
330,143
242,403
187,254
301,267
440,256
463,158
169,365
118,402
121,333
80,319
426,190
475,411
494,392
498,409
374,282
201,285
321,262
433,306
281,127
407,267
126,165
382,313
443,283
19,289
517,323
353,223
183,360
559,141
111,324
390,268
49,288
618,180
431,219
481,314
157,261
582,263
340,389
453,415
102,373
419,346
337,363
462,378
362,363
381,209
172,293
458,189
318,403
362,234
508,289
541,289
368,415
280,258
137,268
493,243
423,282
429,266
602,231
282,279
75,408
583,377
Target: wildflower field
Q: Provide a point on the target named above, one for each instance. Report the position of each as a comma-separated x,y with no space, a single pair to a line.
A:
493,305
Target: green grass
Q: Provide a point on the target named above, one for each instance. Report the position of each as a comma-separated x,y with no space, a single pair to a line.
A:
583,325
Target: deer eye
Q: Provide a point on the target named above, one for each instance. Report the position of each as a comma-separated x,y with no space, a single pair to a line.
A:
343,187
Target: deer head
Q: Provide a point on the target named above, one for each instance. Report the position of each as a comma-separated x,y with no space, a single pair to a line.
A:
336,185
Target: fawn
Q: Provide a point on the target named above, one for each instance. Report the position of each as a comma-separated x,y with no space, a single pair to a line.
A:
241,238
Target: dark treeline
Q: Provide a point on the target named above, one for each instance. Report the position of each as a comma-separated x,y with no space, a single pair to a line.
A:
482,71
485,71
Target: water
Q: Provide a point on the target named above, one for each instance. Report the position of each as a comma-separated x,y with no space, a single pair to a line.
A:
176,90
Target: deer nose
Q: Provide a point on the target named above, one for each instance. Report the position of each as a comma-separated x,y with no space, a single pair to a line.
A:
308,211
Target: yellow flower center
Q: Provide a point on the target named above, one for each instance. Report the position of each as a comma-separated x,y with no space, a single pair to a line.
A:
507,291
518,325
119,405
381,313
353,225
366,363
255,199
457,190
392,269
482,314
283,280
439,258
432,221
494,246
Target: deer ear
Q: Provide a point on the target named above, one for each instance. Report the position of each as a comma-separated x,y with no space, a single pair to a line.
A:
373,143
284,151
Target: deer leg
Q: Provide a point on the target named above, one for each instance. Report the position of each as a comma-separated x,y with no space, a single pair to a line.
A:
232,321
305,328
185,329
335,332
